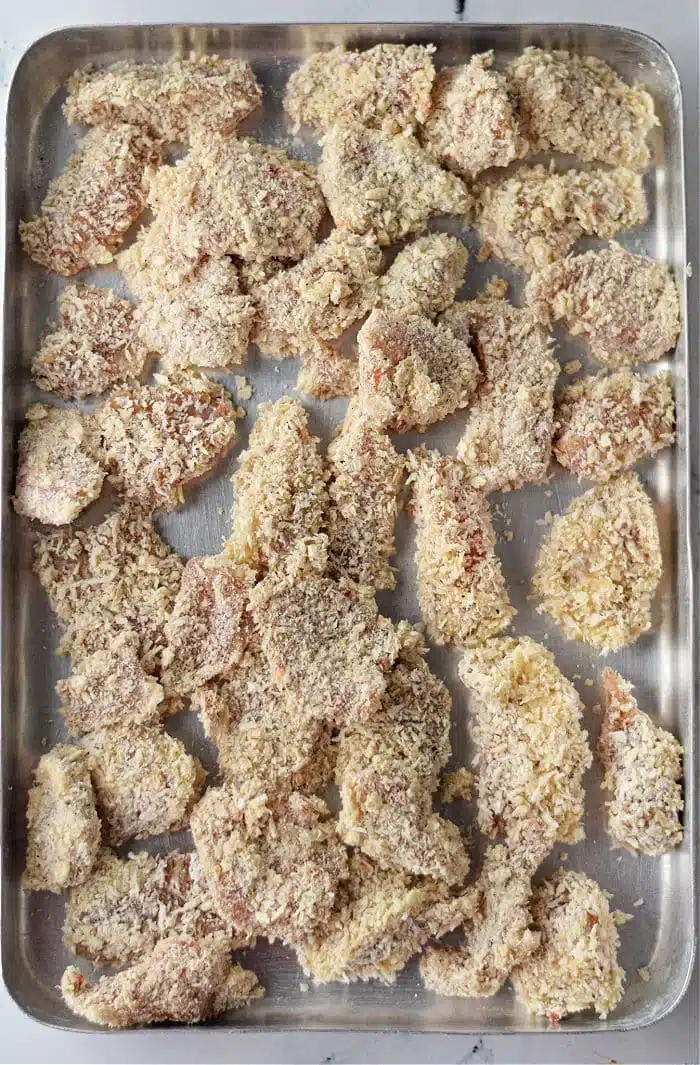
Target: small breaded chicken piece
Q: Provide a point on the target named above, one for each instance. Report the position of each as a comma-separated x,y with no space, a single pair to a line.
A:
461,589
625,306
532,217
88,208
424,277
183,979
412,372
605,424
326,376
531,752
578,105
63,829
599,567
385,183
386,87
94,344
175,100
57,474
575,968
307,306
474,122
272,864
643,768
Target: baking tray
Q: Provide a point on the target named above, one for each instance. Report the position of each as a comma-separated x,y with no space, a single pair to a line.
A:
659,892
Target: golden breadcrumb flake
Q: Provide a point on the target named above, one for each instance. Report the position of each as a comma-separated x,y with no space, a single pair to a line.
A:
532,217
531,752
385,184
386,87
461,589
93,344
63,829
625,306
157,438
325,376
57,475
474,122
605,424
87,210
272,864
183,979
424,277
578,105
575,967
412,372
643,768
599,568
175,100
456,785
306,307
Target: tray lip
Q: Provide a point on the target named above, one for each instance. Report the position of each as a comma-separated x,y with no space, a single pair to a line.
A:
690,466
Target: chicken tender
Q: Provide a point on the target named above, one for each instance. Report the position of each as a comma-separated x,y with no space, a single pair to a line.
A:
424,277
326,376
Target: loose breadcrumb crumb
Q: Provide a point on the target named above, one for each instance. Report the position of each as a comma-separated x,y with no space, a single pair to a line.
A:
572,367
424,277
325,376
244,390
456,785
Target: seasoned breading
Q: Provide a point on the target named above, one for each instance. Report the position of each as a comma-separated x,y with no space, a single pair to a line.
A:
532,217
474,122
599,568
63,829
643,768
386,87
456,785
183,979
57,475
327,376
87,210
93,344
626,306
605,424
272,864
175,100
255,272
575,968
461,590
412,372
385,184
578,105
424,277
531,752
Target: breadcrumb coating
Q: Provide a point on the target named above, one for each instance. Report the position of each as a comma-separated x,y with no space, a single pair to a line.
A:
643,768
63,829
424,277
599,568
326,376
57,475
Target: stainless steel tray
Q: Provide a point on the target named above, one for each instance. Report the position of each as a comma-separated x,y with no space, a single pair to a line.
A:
661,665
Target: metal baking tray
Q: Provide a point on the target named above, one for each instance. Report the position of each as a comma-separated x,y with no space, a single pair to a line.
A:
658,892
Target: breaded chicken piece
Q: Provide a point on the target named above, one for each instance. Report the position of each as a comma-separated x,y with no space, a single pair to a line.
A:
578,105
532,217
184,979
145,781
474,122
626,306
88,208
643,768
175,100
575,968
63,829
599,568
531,752
461,590
424,277
385,184
605,424
272,864
326,376
155,439
57,475
93,344
386,87
412,372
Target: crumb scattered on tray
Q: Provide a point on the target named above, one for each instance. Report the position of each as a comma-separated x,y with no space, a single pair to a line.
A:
457,785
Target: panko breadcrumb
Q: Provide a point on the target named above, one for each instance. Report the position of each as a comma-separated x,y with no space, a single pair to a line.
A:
599,568
456,785
643,768
57,475
87,210
63,829
326,376
424,277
